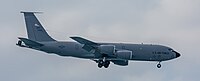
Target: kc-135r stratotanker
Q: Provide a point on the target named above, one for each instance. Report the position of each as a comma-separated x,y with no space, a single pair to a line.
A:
101,53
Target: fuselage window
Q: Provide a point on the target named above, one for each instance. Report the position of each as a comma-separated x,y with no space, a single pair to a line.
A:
160,52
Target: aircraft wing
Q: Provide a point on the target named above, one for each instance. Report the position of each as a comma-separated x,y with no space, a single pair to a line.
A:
91,46
88,45
83,41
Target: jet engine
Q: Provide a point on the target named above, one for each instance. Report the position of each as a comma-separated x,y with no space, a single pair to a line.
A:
107,49
124,54
120,62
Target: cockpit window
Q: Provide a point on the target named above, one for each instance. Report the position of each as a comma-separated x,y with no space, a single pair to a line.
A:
170,49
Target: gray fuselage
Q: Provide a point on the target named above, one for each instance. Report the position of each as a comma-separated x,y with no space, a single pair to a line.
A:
141,52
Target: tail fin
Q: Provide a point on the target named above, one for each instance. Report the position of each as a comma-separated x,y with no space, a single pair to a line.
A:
35,30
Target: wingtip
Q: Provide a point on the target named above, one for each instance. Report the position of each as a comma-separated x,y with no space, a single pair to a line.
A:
70,37
74,37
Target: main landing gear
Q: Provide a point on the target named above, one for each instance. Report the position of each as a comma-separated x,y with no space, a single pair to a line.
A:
159,65
102,63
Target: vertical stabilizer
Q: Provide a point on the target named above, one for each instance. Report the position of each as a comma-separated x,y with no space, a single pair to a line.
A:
35,30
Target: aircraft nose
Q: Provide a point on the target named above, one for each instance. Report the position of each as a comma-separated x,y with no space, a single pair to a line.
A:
177,54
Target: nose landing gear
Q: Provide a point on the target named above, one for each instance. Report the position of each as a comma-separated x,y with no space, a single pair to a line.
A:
159,65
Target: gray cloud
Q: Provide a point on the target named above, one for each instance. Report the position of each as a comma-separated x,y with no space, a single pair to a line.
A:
169,22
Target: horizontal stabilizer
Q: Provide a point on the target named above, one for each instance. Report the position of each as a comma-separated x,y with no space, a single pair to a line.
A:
30,43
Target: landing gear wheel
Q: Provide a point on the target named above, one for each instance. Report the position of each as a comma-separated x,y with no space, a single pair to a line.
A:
106,64
100,63
159,65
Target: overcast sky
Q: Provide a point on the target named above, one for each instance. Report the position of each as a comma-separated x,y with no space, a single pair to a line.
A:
174,23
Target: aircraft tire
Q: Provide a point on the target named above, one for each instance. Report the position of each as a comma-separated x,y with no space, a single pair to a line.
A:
100,65
106,64
158,65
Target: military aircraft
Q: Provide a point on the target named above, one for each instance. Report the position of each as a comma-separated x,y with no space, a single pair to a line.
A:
101,53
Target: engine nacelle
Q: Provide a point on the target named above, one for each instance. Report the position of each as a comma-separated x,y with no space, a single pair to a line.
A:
124,54
106,49
120,62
